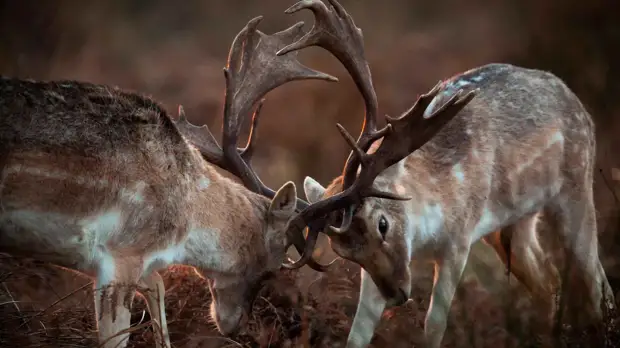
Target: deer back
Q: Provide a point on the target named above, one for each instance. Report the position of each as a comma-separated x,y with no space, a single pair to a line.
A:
506,152
75,151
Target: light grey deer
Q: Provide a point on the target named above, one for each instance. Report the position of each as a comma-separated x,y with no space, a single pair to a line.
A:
485,170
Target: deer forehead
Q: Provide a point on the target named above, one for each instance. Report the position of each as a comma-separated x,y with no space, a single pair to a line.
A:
458,173
373,208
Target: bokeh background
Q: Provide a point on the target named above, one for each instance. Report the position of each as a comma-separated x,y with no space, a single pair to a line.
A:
175,52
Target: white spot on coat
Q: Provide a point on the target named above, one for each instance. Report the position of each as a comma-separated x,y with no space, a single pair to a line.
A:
556,138
135,194
457,172
429,225
203,183
461,83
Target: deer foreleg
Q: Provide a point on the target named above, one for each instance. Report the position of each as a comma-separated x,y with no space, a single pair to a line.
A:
154,296
368,315
115,289
448,272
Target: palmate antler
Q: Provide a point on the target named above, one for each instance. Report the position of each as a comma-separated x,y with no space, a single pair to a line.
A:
253,69
335,31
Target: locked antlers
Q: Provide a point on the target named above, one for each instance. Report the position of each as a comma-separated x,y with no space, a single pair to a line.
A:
335,31
258,63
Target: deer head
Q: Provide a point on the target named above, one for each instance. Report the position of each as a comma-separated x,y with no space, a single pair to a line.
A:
253,69
361,235
233,296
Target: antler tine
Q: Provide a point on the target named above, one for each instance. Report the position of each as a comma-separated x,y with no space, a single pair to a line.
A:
252,71
202,138
248,151
306,252
335,31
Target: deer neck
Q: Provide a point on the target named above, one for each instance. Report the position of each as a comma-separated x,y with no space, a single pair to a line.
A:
227,228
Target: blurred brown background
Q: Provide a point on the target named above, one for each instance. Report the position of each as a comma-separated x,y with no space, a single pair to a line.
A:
175,52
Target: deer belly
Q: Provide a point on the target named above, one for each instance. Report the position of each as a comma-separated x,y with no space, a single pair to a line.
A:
47,237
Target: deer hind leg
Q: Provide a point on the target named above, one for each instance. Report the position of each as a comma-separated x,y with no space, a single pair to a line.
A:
115,289
576,223
528,262
153,290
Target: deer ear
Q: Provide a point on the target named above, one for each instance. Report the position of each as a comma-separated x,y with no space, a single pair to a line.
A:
314,191
284,202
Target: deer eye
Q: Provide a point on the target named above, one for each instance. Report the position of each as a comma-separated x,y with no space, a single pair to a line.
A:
383,226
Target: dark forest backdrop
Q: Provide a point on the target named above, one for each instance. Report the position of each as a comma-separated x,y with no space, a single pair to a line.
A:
175,52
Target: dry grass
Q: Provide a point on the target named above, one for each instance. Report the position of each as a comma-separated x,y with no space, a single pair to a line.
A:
43,306
176,53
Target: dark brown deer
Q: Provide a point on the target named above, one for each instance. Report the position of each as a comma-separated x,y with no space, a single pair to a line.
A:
453,170
104,182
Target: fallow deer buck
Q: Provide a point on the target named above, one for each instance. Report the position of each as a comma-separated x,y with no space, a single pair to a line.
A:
472,168
104,182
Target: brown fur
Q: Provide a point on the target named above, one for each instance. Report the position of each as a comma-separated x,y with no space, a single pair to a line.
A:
525,144
72,152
